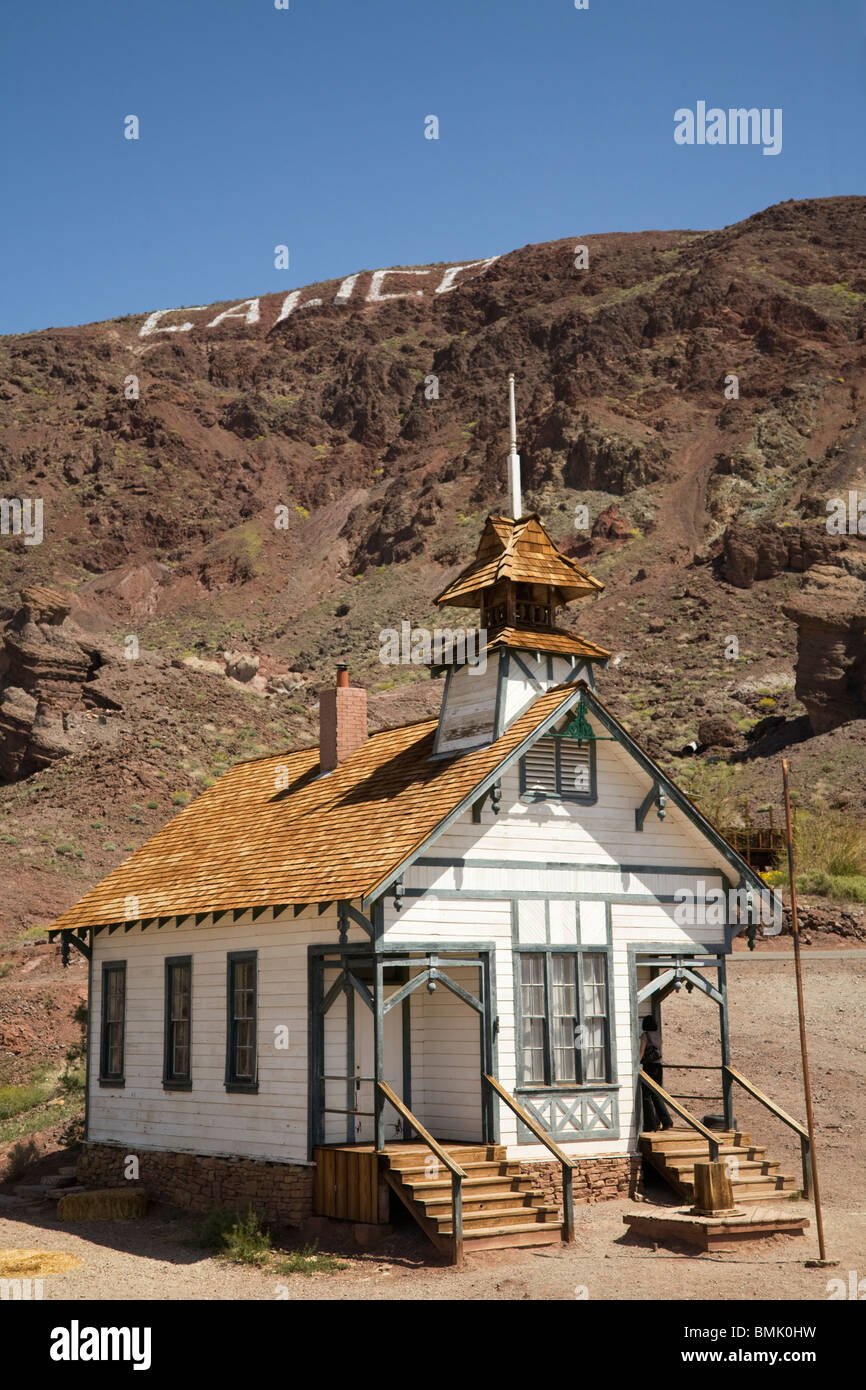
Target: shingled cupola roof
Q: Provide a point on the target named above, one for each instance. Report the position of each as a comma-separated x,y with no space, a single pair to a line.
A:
520,551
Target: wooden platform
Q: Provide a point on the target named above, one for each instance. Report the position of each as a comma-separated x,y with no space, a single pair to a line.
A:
349,1182
353,1182
715,1232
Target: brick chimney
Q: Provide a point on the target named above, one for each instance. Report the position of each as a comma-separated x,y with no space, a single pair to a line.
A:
342,720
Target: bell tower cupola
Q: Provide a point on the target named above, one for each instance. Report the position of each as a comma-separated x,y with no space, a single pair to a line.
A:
516,582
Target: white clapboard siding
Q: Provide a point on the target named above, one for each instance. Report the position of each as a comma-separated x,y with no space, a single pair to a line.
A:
208,1119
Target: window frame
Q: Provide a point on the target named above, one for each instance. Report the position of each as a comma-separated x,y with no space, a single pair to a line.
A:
548,1085
582,798
171,1080
234,1082
112,1080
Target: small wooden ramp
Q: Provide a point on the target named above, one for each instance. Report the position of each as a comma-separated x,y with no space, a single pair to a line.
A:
754,1177
500,1209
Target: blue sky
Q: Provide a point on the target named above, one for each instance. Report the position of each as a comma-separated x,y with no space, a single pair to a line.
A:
305,127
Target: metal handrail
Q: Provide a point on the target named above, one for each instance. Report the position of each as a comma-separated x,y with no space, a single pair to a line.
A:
800,1130
457,1173
683,1114
541,1134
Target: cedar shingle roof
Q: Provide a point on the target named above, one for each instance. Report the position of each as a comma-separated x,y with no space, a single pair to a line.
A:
557,640
243,843
521,551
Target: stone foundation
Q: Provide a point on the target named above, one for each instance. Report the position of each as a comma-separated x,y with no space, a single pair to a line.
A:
281,1193
593,1179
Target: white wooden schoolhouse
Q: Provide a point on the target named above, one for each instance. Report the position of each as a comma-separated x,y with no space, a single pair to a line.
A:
411,965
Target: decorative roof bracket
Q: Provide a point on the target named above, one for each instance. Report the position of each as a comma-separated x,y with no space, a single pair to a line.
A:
655,794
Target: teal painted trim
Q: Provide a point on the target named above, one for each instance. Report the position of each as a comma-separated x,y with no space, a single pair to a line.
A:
501,691
481,787
537,1101
547,951
641,811
548,865
624,898
679,798
652,949
534,681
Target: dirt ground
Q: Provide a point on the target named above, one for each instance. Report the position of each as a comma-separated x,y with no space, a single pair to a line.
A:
155,1259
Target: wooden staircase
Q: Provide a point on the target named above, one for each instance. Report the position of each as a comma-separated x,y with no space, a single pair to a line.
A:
754,1177
500,1210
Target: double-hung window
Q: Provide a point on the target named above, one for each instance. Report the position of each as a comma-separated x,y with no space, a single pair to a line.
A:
113,1023
177,1066
564,1016
242,1007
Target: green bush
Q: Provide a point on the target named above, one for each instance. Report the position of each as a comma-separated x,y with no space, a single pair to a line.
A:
849,888
235,1238
308,1261
14,1100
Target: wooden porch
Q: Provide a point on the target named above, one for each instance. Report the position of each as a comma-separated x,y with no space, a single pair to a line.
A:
457,1192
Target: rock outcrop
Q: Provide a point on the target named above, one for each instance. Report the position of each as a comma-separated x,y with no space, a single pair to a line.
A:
761,552
830,613
43,671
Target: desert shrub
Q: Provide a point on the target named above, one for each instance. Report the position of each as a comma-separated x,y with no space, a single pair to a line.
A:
831,844
307,1260
19,1159
239,1239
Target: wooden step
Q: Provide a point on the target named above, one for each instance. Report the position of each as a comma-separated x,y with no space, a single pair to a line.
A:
725,1151
442,1201
512,1239
518,1228
522,1217
471,1187
472,1170
414,1157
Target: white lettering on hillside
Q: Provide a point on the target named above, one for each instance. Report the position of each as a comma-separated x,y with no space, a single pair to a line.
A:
249,312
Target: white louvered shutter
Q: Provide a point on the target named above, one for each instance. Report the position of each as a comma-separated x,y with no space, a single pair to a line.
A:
574,767
541,767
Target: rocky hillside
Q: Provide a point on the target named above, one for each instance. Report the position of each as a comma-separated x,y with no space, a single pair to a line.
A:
278,479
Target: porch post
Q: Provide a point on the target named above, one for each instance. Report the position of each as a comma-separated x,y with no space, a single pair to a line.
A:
351,1088
725,1038
379,1046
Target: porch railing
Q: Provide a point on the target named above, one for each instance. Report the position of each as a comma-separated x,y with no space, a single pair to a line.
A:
805,1143
544,1138
457,1173
683,1113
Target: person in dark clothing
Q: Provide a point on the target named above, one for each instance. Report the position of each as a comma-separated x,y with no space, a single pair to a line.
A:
656,1113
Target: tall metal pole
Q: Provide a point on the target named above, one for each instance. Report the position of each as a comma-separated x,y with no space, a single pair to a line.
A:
798,971
513,456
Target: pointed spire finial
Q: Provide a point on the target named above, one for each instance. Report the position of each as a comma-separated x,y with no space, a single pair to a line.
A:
513,456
